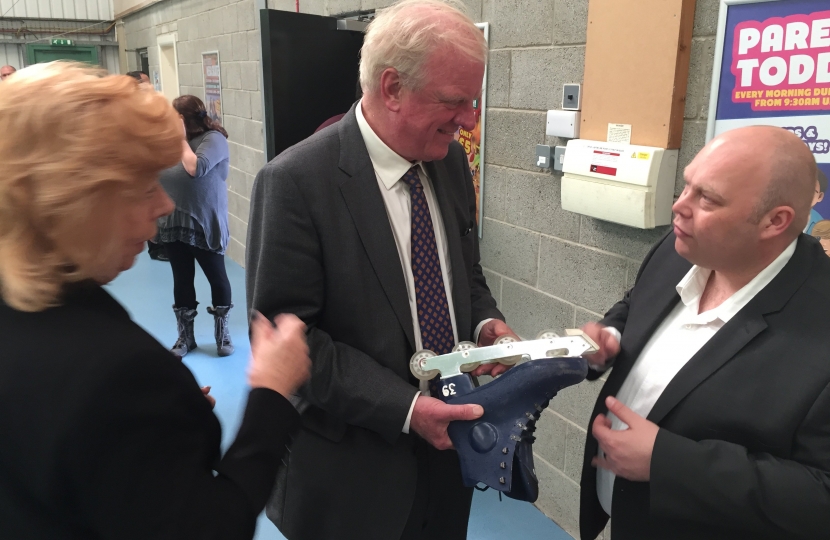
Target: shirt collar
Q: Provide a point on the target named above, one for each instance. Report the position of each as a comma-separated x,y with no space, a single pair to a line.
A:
691,287
389,166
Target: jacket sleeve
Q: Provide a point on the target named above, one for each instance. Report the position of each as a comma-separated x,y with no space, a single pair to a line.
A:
717,482
285,274
212,151
142,458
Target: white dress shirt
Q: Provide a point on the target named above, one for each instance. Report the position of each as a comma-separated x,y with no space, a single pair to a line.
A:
678,338
389,169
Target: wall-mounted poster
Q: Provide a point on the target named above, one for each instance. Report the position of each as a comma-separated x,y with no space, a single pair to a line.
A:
213,85
772,67
473,141
156,81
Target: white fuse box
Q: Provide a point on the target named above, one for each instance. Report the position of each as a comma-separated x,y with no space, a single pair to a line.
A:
622,183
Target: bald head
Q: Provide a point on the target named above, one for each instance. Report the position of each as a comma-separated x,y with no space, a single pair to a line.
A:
748,196
5,71
781,165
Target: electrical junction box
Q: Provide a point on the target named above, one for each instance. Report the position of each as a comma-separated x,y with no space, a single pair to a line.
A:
563,124
543,158
558,158
622,183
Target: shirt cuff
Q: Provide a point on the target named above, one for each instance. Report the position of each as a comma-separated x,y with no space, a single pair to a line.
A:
614,332
478,329
409,416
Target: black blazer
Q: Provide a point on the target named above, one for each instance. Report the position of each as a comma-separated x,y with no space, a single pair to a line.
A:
104,434
744,445
320,246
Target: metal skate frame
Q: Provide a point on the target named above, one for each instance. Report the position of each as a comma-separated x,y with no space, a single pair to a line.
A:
466,357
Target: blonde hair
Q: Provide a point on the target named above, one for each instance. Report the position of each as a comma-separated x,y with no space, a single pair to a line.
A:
405,35
76,145
821,230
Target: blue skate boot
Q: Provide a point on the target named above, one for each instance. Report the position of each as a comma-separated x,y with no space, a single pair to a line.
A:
497,449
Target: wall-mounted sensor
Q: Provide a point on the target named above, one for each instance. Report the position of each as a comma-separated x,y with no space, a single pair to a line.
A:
572,97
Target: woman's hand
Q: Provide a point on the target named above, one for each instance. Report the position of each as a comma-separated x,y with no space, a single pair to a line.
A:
211,399
279,356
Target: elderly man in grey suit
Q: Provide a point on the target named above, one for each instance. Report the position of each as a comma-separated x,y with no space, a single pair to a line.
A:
366,231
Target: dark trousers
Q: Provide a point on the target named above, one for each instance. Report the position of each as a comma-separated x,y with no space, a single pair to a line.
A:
182,260
442,504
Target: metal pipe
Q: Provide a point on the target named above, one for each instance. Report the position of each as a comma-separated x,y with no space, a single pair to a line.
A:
297,5
62,31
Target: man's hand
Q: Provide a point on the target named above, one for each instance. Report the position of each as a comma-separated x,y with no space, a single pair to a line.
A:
609,347
489,333
627,452
430,418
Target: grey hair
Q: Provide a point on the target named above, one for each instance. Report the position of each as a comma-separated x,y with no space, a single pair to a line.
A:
405,35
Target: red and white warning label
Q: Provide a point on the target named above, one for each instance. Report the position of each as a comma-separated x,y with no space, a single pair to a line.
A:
605,162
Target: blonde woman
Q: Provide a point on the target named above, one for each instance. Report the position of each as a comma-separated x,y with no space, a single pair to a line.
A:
104,433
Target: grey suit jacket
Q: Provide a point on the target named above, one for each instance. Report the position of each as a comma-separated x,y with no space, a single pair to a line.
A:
320,245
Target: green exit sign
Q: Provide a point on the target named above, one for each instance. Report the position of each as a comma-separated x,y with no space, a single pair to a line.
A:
64,42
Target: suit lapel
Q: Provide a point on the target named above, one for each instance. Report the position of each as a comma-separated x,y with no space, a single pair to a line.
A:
460,287
723,346
740,330
363,199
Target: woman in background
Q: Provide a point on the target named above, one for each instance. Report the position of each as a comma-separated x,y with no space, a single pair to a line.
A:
821,232
103,433
197,231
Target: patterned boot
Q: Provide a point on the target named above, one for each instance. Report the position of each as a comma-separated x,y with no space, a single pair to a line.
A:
220,329
184,323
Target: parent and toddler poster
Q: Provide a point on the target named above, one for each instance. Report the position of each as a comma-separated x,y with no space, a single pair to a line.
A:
772,67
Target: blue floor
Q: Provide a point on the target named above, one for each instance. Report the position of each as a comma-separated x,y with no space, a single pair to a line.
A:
147,293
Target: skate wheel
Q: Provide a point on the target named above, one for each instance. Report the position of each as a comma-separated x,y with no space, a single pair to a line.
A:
464,346
466,368
416,365
547,334
510,360
501,340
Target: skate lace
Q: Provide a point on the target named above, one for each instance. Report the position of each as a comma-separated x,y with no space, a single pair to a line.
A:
530,427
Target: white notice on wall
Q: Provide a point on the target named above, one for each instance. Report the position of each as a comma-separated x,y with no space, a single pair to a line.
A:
619,133
604,160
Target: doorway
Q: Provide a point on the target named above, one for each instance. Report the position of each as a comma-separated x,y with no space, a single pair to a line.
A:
41,53
168,66
310,70
143,61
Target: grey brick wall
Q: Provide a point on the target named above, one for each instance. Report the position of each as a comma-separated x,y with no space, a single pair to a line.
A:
232,28
549,268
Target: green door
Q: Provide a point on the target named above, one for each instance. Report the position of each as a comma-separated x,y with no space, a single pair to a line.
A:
40,53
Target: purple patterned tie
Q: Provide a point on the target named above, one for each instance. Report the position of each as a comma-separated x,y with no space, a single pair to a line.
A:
430,294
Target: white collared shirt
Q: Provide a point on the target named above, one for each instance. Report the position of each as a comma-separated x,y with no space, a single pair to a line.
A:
678,338
389,169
